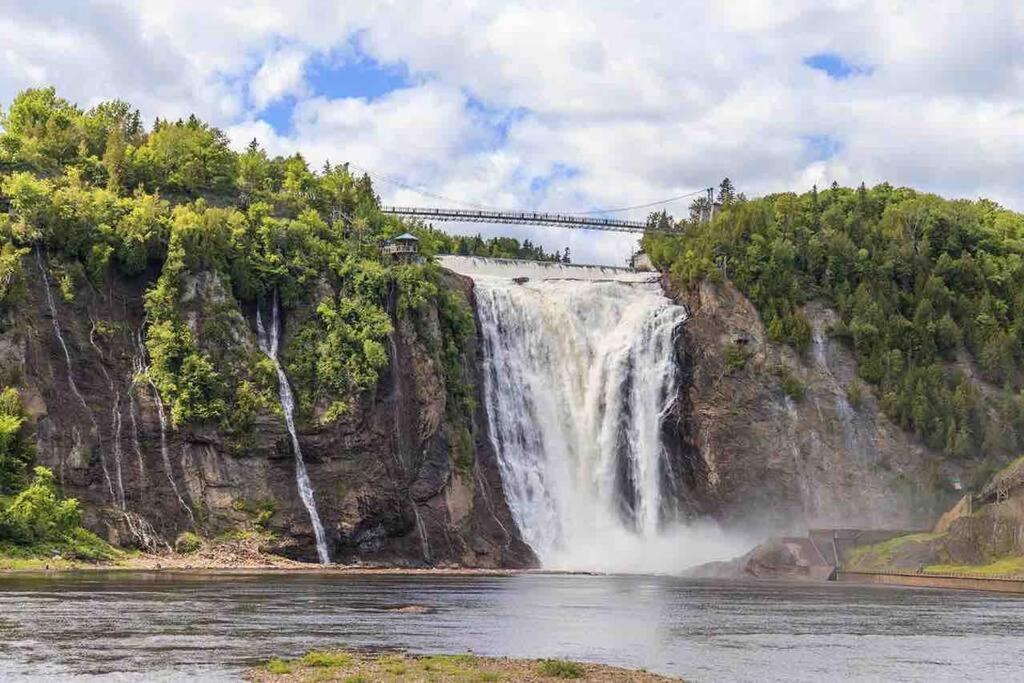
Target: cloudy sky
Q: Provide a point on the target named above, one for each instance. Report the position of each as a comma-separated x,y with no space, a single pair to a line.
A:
565,106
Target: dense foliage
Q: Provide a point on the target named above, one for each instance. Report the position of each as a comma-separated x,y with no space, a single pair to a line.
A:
16,448
38,521
930,292
96,192
217,235
495,247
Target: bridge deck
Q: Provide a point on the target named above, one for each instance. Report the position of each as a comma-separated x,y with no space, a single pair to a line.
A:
523,217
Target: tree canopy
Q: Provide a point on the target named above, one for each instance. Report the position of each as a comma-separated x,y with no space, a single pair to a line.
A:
930,293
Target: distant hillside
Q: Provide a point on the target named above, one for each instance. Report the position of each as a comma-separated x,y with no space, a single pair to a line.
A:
929,292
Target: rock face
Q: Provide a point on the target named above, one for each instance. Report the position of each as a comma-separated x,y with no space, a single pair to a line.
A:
762,437
771,438
385,477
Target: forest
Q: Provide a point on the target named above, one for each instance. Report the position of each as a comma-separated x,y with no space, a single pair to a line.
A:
90,195
930,293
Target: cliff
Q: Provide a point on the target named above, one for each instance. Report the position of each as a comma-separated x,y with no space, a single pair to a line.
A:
405,477
776,440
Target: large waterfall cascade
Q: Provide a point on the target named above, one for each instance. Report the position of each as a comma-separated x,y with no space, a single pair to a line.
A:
580,373
268,343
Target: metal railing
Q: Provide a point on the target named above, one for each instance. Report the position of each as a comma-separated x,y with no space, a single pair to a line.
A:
525,217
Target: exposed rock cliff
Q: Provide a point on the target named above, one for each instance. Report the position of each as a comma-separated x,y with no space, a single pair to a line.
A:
403,478
777,439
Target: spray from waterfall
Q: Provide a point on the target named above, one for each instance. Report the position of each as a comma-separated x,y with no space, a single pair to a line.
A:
268,343
580,374
70,375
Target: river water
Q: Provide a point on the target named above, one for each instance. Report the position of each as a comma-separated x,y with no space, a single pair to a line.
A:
169,626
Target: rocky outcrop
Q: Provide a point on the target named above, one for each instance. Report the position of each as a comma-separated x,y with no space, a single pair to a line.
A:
778,440
404,478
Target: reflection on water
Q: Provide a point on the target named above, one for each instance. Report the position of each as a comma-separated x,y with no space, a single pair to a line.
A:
175,627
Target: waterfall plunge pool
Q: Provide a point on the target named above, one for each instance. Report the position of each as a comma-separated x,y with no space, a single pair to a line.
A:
172,626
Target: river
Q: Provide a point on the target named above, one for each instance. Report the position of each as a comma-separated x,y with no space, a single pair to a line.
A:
171,626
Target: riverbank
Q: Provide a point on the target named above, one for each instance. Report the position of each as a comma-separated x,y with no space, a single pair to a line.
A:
355,666
235,553
174,564
961,581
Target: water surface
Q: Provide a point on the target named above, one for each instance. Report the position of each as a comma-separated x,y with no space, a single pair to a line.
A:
164,626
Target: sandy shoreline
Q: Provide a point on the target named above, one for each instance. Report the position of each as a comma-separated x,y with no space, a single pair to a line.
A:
272,565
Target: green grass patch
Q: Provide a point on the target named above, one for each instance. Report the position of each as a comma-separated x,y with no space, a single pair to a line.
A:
279,667
1007,566
736,357
326,660
76,546
885,555
789,383
560,668
187,543
336,665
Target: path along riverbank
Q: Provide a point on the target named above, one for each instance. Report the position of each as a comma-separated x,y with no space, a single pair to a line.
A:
998,584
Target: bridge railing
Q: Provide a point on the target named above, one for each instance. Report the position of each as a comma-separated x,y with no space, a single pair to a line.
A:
483,216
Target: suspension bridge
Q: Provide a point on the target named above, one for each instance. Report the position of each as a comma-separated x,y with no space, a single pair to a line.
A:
590,220
522,217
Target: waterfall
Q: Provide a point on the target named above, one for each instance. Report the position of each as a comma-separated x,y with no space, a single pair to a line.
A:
400,447
115,417
71,378
580,372
268,342
165,456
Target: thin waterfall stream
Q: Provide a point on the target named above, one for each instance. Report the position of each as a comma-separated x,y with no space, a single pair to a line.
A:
268,343
165,456
70,375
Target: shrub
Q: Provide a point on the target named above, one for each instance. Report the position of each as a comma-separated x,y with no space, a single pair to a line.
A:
187,543
854,394
38,522
736,357
16,449
279,667
560,668
38,513
791,386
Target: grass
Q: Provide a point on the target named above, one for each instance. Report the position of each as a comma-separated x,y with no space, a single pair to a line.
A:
790,384
560,668
883,556
736,357
353,667
326,660
1007,566
279,667
74,548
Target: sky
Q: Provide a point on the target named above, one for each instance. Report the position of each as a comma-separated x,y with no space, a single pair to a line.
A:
565,106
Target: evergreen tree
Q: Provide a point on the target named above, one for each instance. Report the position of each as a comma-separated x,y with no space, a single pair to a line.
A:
726,192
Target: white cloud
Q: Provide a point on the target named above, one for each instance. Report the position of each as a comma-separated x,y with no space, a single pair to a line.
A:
281,74
639,102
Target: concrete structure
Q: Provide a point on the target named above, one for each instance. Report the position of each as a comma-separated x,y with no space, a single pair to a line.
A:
998,584
641,260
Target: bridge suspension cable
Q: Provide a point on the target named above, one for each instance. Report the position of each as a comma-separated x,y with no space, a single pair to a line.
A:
409,211
521,217
643,206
